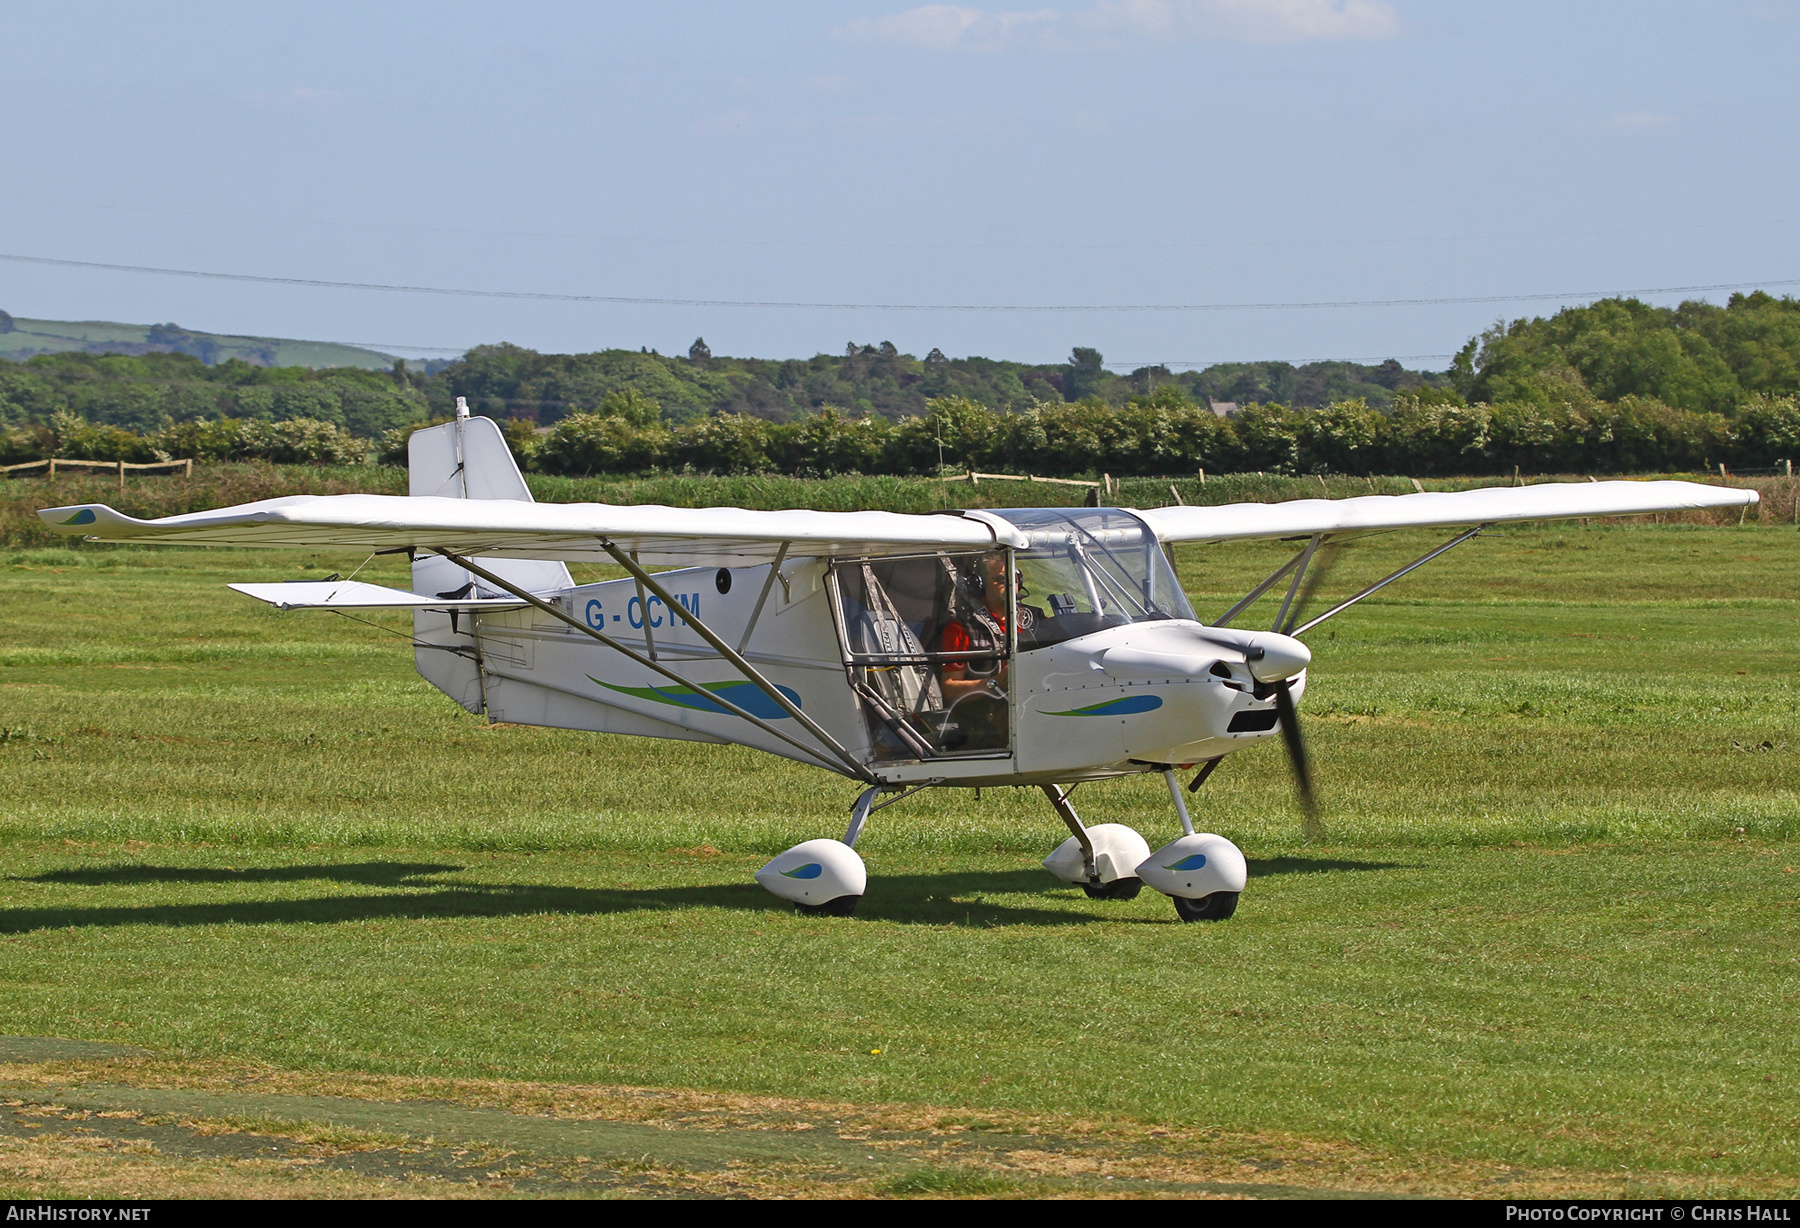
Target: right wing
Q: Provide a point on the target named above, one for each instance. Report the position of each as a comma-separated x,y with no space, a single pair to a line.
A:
1489,505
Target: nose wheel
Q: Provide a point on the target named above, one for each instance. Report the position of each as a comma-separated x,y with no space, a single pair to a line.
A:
1215,907
1118,889
1203,873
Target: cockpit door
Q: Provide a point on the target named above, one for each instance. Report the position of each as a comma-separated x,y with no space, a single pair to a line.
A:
927,654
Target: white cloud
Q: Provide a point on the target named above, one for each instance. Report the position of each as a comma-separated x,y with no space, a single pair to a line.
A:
1112,23
950,27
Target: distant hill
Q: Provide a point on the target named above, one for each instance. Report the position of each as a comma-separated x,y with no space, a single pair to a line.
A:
21,338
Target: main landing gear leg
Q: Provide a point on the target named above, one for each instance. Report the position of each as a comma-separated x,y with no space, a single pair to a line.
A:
1204,874
824,877
859,813
1102,859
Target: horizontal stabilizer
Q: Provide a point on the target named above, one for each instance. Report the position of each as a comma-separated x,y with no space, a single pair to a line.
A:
355,595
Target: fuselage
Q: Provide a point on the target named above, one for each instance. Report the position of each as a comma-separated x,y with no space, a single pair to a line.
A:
1091,668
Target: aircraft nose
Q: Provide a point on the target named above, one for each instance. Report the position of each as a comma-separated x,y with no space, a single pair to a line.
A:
1271,657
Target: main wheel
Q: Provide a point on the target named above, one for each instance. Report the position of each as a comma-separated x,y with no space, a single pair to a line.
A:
1118,889
843,906
1215,907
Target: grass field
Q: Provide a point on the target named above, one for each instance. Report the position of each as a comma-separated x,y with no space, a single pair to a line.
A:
1548,945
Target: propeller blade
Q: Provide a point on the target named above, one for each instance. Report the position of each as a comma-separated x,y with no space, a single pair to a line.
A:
1296,748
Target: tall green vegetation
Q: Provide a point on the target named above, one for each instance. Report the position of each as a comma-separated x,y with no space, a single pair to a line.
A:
1164,433
147,392
1696,356
1615,386
507,381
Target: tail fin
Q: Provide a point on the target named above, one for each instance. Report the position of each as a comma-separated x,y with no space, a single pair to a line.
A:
466,459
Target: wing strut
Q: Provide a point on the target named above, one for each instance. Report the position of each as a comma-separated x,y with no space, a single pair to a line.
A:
1382,583
1260,589
1306,557
533,599
732,655
763,597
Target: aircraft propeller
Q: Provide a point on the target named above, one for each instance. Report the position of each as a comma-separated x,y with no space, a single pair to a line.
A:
1275,660
1289,717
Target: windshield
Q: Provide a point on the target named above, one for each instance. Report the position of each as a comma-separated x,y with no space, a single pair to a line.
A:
1088,569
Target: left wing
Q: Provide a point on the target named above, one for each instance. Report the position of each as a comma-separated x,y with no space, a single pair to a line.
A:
357,595
507,528
1490,505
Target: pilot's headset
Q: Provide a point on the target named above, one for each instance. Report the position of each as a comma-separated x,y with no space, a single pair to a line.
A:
973,589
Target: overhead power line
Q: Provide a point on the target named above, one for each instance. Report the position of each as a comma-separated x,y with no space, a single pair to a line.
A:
644,301
911,245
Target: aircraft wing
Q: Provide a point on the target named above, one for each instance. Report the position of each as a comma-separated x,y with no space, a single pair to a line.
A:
356,595
506,528
1491,505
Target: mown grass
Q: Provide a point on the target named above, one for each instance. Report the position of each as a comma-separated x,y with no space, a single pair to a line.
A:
1552,922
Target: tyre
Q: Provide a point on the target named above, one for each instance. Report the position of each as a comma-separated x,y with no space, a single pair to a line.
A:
843,906
1215,907
1118,889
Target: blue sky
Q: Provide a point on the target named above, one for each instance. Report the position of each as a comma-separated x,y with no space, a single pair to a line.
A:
1126,152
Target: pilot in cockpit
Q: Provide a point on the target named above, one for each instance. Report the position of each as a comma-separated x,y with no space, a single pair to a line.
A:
975,688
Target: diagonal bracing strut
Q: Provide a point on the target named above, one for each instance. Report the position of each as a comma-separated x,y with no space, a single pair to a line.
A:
1382,583
532,599
732,655
1259,590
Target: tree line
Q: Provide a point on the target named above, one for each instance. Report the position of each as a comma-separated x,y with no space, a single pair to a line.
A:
1614,386
1429,433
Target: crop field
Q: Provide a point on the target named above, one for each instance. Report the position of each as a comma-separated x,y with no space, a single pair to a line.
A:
277,918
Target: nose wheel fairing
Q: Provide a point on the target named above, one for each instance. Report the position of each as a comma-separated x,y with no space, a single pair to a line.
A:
1204,873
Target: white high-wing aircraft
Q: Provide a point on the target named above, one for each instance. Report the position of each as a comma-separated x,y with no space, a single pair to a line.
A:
1033,646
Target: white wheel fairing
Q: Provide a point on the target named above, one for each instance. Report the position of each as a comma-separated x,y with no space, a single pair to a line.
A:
1195,866
1117,852
815,872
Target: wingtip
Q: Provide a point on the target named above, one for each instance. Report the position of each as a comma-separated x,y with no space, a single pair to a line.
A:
84,519
72,519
